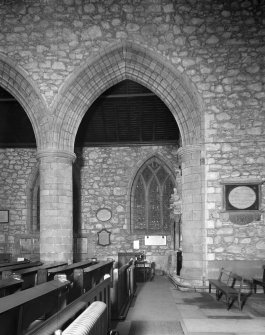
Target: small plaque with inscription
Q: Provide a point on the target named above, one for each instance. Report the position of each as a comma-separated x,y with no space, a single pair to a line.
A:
241,197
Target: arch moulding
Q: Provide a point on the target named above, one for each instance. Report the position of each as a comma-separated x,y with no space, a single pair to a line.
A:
14,80
117,63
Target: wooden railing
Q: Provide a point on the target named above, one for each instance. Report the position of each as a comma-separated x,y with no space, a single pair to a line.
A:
123,290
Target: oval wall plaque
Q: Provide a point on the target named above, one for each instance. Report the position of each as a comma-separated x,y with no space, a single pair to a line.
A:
242,197
104,214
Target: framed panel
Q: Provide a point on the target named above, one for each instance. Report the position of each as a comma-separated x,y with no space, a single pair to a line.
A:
241,197
104,237
4,216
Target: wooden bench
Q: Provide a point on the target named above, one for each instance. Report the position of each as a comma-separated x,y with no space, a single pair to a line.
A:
31,276
9,286
86,278
18,311
19,267
259,282
232,286
5,264
68,270
123,290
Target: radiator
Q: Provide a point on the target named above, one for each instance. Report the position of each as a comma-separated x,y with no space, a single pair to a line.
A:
93,321
131,281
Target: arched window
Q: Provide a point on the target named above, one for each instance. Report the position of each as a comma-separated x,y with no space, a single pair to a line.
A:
150,198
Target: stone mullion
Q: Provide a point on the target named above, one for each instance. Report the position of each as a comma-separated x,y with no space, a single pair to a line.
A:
193,240
56,206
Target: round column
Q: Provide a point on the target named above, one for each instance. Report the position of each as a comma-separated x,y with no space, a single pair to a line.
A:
193,232
56,206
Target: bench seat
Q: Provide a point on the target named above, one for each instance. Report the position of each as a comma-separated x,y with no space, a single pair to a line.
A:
232,286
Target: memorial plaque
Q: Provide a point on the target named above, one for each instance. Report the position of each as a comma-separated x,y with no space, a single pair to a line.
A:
104,237
241,197
155,240
104,214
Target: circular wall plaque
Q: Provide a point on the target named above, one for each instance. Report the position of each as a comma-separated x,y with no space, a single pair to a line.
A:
242,197
104,214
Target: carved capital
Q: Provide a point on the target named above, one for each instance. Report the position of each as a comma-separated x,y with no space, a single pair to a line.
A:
189,152
56,155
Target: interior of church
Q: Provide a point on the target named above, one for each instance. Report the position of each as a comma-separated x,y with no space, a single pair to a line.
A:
132,154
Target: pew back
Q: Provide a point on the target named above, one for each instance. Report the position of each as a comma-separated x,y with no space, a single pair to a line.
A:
29,275
64,317
18,311
69,269
9,286
19,267
87,278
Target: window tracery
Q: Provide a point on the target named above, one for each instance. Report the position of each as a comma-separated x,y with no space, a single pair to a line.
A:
150,198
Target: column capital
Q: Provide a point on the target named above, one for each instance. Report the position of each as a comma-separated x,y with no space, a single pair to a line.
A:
189,150
54,154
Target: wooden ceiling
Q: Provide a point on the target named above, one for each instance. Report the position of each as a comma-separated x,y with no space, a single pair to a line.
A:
126,114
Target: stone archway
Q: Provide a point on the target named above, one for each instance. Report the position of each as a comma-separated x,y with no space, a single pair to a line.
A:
126,61
131,61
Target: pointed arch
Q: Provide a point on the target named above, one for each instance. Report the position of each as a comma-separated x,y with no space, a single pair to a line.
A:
127,61
14,80
151,191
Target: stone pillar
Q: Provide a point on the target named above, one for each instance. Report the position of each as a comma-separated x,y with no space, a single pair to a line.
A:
193,232
56,206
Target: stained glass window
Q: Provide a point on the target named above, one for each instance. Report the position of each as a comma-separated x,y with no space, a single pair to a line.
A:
150,199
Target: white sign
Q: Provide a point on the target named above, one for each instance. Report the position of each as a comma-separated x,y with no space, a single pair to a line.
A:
136,244
155,240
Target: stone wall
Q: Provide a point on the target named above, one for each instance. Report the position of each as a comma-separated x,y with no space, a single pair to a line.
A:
229,241
106,176
17,167
218,46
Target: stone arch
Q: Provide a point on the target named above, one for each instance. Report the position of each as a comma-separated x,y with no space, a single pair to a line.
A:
120,62
15,81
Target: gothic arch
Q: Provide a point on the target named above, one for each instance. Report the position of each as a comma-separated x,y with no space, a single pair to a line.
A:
15,81
112,65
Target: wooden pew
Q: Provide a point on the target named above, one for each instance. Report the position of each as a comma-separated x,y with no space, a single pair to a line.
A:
19,267
5,264
68,270
5,257
18,311
9,286
29,275
86,278
64,317
123,290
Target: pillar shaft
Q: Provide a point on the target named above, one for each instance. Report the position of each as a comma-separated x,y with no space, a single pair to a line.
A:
193,240
56,206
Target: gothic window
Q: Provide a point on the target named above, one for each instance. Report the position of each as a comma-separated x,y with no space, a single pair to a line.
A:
150,198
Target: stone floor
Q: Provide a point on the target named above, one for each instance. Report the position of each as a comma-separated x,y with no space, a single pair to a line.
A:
159,305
